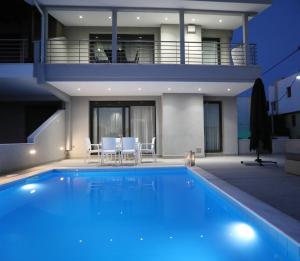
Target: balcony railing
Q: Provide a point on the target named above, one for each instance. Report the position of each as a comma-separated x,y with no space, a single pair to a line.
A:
150,52
14,51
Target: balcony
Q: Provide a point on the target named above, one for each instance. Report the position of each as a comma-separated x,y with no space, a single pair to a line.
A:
61,51
15,51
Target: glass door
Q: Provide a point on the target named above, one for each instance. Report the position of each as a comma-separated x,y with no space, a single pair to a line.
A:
213,126
127,118
109,122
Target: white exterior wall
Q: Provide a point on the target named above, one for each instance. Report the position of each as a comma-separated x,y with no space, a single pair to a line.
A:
229,124
182,124
81,121
286,104
170,32
47,140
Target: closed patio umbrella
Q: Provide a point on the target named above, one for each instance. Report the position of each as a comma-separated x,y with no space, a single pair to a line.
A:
260,127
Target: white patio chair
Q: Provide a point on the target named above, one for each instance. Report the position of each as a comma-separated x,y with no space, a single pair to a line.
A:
109,148
91,149
149,148
129,148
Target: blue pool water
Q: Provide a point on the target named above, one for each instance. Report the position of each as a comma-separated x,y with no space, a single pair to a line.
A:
156,214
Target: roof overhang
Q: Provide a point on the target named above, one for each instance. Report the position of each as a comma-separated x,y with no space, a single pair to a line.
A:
249,6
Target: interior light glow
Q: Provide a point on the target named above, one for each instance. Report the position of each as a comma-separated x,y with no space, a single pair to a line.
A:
242,232
298,77
32,152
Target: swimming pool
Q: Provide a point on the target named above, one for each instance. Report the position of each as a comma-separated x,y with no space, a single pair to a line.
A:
138,214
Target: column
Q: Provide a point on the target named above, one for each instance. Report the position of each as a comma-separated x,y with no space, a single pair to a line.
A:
114,38
181,33
246,38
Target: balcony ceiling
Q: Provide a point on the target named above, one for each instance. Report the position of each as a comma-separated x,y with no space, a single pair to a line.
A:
146,19
106,88
219,5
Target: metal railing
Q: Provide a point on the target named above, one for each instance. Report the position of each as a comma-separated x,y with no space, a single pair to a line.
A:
150,52
14,51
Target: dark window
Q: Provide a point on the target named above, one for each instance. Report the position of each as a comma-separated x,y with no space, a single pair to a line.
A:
289,91
213,126
132,48
294,123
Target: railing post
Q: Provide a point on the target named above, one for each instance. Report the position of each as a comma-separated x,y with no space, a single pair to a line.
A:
114,38
181,33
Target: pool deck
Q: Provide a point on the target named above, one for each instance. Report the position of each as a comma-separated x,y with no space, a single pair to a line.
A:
256,187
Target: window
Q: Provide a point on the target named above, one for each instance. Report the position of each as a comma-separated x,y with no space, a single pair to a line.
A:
294,123
127,118
289,92
213,126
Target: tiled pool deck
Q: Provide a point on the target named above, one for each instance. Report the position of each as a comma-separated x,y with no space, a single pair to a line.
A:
256,187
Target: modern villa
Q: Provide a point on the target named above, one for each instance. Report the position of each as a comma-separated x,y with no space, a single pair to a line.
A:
107,107
159,69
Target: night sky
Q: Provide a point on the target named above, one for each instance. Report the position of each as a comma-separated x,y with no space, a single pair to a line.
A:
276,31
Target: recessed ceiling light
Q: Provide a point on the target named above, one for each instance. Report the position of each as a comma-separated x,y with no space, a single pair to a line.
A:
78,89
169,89
228,89
220,20
166,18
109,89
138,18
139,89
80,17
109,17
199,89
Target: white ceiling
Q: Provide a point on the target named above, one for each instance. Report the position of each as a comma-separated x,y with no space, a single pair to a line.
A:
219,5
146,19
150,88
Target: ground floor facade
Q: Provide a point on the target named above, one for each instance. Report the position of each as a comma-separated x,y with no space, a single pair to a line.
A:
180,122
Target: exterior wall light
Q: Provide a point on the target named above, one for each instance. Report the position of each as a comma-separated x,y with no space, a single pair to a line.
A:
298,77
61,148
32,152
191,29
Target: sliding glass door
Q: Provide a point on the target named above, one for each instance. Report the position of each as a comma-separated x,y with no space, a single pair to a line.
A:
213,126
116,119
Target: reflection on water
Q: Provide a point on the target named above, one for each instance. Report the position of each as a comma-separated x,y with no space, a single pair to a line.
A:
137,215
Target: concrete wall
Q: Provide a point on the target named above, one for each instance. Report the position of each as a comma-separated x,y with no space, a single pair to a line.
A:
278,144
193,51
229,123
80,120
182,124
48,141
